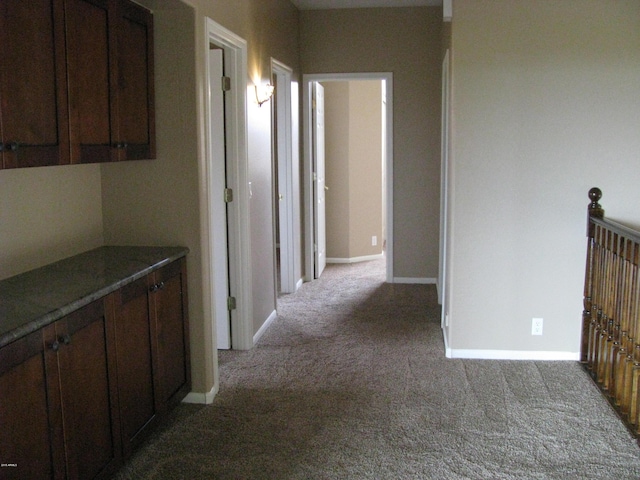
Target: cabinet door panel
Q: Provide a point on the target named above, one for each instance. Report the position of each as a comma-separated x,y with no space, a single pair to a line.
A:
134,333
87,386
33,115
25,425
88,37
136,124
170,308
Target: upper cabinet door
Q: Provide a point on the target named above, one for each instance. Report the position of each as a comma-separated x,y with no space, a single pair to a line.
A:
89,42
110,71
33,88
135,82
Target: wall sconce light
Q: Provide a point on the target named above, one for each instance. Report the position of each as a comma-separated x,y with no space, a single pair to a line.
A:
264,93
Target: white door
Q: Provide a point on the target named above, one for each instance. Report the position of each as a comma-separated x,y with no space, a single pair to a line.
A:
320,246
217,172
284,161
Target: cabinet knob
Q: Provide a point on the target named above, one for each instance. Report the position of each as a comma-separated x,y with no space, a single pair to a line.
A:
160,285
13,146
120,145
153,288
55,346
66,339
1,147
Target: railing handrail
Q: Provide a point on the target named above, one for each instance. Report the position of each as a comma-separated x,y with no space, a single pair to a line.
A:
628,232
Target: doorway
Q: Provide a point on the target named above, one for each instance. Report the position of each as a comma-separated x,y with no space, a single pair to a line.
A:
286,175
226,265
311,176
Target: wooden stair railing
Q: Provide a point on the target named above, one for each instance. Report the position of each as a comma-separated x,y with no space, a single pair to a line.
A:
611,317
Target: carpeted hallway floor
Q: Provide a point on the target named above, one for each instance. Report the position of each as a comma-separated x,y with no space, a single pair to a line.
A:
351,382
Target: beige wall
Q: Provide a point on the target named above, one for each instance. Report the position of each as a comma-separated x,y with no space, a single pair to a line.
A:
336,129
546,104
353,151
405,41
46,214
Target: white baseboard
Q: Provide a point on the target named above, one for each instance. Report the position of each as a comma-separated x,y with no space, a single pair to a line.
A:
416,280
355,259
201,398
512,355
264,326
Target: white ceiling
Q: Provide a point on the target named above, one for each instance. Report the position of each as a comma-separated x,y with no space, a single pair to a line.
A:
326,4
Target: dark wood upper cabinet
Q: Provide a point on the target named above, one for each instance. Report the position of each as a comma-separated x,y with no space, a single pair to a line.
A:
110,70
76,82
33,88
135,83
88,34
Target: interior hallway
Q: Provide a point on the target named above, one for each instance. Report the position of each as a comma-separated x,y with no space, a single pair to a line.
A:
350,382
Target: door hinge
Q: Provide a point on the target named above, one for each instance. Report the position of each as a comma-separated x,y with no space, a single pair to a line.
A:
226,84
315,247
231,303
228,195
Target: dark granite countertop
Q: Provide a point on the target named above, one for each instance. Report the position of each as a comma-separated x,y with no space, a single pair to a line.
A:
34,299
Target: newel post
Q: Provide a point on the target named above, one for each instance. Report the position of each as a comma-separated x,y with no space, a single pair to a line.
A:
595,210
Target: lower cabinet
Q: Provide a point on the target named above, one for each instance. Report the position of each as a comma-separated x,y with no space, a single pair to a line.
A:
57,414
77,396
152,349
28,430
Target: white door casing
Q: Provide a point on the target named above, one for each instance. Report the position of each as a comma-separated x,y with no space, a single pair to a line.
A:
444,191
319,190
239,238
309,199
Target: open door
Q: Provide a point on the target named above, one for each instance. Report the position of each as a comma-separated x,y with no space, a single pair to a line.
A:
319,187
217,167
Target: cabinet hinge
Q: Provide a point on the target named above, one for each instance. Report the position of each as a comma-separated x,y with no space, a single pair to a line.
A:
231,303
228,195
315,247
226,84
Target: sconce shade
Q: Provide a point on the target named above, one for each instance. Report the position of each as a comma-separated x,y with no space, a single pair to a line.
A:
264,93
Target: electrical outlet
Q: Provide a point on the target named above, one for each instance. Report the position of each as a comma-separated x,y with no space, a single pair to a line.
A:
374,241
536,326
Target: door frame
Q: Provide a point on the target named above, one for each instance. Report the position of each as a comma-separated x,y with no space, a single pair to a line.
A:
287,208
309,230
239,243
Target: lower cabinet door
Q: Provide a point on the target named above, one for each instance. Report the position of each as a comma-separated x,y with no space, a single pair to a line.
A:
27,434
88,392
134,343
168,305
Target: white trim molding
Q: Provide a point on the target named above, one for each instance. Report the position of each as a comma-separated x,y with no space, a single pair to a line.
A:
447,10
267,323
364,258
201,398
512,354
416,280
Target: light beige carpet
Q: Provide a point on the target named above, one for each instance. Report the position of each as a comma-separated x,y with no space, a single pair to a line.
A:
351,382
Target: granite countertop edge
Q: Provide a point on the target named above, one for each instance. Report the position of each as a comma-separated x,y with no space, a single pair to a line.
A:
61,311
